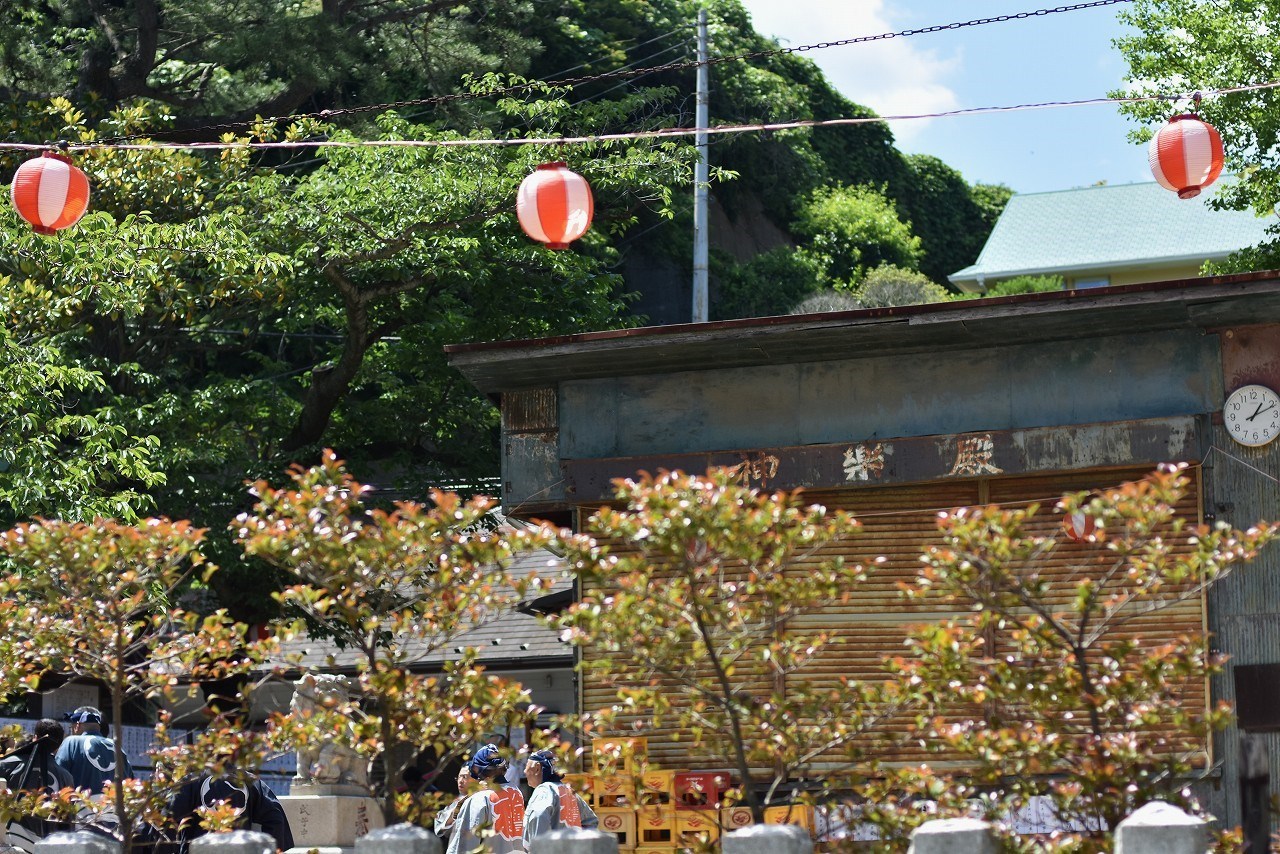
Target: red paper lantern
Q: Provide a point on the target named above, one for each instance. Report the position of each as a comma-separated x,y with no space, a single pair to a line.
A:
1186,155
1078,526
554,205
50,193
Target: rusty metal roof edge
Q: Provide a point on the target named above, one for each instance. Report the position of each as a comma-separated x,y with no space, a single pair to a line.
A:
941,312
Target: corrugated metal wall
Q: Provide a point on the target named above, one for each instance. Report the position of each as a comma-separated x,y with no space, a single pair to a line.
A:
897,522
1244,608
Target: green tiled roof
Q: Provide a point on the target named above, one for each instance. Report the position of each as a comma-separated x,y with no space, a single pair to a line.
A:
1109,226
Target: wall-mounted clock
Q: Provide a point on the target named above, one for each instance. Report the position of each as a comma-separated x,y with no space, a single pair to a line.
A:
1252,415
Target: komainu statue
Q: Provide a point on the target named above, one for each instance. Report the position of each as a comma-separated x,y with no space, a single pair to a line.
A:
325,761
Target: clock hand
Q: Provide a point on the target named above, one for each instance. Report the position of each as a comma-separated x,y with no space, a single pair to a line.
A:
1260,411
1255,413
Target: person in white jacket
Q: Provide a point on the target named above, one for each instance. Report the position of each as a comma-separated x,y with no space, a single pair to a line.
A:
492,817
552,803
447,816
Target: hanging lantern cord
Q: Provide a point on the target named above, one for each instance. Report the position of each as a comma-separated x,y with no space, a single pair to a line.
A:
1195,101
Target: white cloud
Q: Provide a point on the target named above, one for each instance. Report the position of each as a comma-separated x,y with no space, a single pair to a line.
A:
892,77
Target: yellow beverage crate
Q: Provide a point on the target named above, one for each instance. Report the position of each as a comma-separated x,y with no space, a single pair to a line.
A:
621,822
616,790
656,787
619,754
656,826
798,814
734,818
584,785
696,826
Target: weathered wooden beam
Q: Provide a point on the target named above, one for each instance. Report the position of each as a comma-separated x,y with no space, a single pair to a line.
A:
912,460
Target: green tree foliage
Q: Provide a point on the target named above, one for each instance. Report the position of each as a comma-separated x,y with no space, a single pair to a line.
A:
1070,688
709,600
1019,285
827,299
947,215
777,171
251,314
59,459
855,229
213,61
769,284
1184,45
887,286
395,587
102,601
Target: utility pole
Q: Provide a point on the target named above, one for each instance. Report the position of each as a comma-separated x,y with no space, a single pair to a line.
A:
701,178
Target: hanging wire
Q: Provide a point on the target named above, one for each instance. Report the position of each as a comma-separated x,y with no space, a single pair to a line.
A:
326,115
659,133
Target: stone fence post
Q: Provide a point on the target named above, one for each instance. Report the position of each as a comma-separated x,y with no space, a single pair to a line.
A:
1160,828
79,842
953,836
574,841
403,838
767,839
233,842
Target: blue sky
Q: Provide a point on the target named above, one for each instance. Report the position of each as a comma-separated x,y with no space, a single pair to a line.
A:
1058,57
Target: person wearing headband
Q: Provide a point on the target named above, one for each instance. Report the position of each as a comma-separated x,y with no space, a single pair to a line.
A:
88,754
552,803
491,818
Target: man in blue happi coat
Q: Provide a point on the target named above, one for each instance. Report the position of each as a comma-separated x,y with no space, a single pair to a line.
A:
88,754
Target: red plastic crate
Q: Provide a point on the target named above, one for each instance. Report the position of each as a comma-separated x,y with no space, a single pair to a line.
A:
701,790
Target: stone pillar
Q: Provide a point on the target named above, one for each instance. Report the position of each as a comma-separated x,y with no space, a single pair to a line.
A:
767,839
954,836
403,838
330,821
573,840
1160,828
234,842
79,842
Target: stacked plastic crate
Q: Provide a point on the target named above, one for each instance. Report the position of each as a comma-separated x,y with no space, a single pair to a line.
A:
660,810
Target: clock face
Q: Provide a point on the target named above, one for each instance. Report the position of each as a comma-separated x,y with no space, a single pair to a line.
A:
1252,415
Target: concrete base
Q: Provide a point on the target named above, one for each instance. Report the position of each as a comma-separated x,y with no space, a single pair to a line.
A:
330,822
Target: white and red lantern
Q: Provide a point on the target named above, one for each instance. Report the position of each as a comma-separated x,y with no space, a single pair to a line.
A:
50,193
1078,526
554,205
1186,155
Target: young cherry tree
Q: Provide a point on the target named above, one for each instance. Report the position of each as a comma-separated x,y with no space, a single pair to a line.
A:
396,587
1068,682
692,595
102,601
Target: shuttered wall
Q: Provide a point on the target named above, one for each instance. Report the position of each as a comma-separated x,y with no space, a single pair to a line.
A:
875,621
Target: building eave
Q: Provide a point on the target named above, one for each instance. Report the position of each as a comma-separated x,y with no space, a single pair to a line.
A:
506,366
976,273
